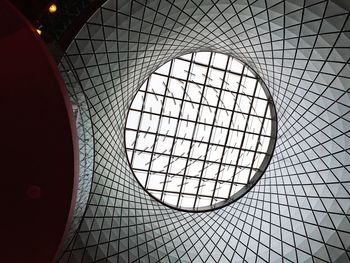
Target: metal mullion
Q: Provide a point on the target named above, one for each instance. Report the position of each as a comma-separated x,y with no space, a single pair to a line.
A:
211,144
178,156
186,139
174,192
194,177
139,124
158,126
194,129
177,126
244,133
210,86
228,133
257,145
211,131
227,70
172,117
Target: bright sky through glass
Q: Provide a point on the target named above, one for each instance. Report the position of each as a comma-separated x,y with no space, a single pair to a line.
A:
198,130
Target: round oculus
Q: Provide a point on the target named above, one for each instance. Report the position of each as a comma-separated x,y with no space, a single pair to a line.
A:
200,131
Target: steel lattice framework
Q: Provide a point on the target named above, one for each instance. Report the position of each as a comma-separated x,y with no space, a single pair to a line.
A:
200,131
299,209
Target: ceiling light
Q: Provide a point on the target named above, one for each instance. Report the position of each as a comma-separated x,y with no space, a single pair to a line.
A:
53,8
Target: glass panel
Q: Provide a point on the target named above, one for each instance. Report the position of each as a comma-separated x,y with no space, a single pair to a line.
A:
198,158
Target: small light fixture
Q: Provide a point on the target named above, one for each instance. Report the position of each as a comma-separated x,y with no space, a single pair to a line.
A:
53,8
38,31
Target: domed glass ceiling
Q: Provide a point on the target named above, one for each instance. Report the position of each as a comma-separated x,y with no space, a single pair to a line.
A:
200,131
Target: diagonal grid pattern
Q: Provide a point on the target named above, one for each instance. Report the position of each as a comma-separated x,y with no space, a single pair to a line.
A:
299,209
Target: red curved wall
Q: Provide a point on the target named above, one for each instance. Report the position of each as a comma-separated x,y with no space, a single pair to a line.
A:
39,153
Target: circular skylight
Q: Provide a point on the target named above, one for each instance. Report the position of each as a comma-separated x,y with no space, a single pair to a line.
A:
200,131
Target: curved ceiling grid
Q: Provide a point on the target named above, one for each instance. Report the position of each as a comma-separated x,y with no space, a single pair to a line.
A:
85,138
299,209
